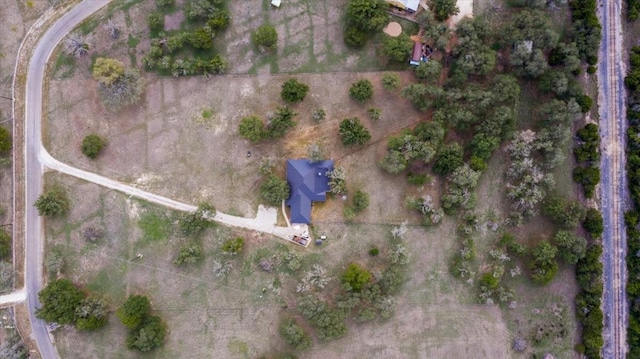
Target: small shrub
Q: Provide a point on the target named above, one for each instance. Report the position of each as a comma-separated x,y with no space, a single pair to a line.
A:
352,132
318,115
5,141
189,253
252,128
390,82
417,179
375,113
348,213
93,233
92,145
294,90
374,251
360,201
354,37
266,37
361,90
155,21
592,70
233,246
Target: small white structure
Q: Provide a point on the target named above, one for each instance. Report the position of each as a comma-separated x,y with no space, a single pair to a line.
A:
276,3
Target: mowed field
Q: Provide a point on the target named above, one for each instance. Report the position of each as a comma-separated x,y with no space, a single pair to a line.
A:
234,317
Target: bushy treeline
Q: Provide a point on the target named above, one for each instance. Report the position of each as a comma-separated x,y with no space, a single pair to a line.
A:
586,29
633,9
631,218
587,173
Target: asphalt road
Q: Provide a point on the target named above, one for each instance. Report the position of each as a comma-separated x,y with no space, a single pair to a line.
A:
612,109
34,168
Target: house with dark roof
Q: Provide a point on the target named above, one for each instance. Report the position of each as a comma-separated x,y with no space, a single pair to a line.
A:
308,182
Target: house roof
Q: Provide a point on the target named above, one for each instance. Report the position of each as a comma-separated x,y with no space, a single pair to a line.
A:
407,4
308,183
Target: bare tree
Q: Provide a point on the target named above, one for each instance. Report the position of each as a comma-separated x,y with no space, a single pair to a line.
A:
76,45
113,29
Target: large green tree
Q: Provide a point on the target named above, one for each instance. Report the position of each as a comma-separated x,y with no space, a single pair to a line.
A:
252,128
274,190
266,37
368,15
148,336
59,300
443,9
352,132
294,90
356,277
398,49
52,203
134,311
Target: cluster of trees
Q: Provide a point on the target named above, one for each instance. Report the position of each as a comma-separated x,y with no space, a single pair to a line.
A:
633,10
364,18
632,218
586,29
146,331
208,16
254,129
362,296
119,86
420,144
64,303
587,154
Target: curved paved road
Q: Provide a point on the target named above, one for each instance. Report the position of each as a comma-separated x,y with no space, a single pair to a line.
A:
611,101
34,168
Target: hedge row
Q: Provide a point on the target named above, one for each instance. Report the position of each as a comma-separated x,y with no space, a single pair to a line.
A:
631,218
586,29
587,173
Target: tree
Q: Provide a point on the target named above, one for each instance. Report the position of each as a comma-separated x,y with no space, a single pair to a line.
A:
294,90
367,15
148,336
6,276
530,63
356,277
394,162
52,203
315,152
5,141
266,37
354,37
201,37
294,335
13,347
544,265
91,314
593,223
75,45
233,246
571,247
189,253
252,128
59,300
281,122
107,71
398,49
155,21
124,91
196,221
92,145
134,311
390,82
360,201
361,90
535,26
443,9
588,177
5,244
449,159
352,132
274,190
428,70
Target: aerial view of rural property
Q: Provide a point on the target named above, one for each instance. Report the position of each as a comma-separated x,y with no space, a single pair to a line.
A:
358,179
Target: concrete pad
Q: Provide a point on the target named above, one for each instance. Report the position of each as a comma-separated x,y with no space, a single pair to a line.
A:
393,29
